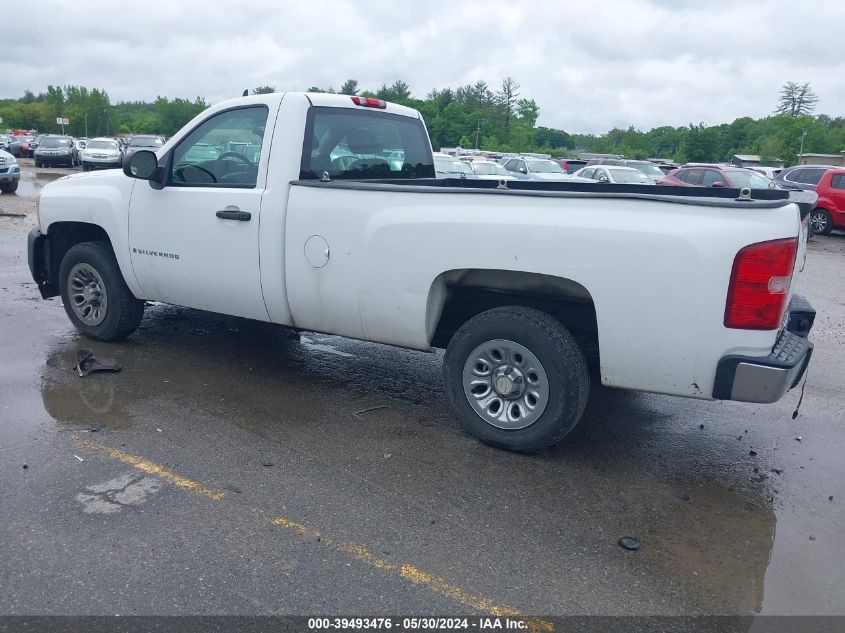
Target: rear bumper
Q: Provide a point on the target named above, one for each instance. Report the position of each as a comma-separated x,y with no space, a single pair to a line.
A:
765,379
56,159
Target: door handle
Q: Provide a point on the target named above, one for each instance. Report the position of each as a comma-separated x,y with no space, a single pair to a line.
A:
231,214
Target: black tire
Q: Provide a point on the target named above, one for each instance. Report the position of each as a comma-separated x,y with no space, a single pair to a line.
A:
560,356
123,313
9,187
820,222
38,164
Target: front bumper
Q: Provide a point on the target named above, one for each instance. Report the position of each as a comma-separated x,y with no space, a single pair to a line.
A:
111,161
55,159
765,379
40,264
10,174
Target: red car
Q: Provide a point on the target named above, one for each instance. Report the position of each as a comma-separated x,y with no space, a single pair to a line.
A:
829,213
716,176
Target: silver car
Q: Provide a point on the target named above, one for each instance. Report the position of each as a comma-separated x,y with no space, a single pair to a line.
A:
10,172
101,153
539,169
614,175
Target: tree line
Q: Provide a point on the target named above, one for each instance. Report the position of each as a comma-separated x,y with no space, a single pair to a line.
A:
472,116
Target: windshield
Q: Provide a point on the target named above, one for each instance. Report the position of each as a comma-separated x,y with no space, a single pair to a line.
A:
490,169
544,167
148,141
451,166
101,145
649,169
630,176
750,179
55,142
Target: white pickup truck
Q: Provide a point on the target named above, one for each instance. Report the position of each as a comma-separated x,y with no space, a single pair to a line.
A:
322,212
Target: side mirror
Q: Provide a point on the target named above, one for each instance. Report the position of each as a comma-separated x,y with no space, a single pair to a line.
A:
718,183
141,165
522,170
604,178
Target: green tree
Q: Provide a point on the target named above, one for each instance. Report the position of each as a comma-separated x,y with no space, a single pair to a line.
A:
349,87
263,90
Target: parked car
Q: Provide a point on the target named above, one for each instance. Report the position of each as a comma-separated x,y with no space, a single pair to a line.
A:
615,174
16,147
143,141
488,170
55,150
768,172
570,165
829,213
101,152
6,140
446,166
28,149
715,176
538,169
10,172
652,170
523,287
802,176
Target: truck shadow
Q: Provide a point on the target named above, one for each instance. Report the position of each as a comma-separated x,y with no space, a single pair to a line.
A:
638,464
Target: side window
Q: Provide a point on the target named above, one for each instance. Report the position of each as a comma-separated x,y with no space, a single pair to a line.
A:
812,176
520,165
510,165
837,181
711,176
362,144
589,172
792,175
694,176
222,151
682,175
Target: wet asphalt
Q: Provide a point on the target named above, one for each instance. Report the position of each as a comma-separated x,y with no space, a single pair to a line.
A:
237,468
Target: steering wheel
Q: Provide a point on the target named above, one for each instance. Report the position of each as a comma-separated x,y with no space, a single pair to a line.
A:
181,172
240,157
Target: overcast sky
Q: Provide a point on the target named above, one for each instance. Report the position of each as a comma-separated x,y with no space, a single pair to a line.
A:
589,65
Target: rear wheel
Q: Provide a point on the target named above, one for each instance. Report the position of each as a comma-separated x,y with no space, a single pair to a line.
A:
95,296
820,222
516,378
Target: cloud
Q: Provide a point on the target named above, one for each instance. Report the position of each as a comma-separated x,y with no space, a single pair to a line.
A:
589,66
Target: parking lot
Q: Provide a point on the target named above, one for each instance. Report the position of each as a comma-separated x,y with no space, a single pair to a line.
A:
237,468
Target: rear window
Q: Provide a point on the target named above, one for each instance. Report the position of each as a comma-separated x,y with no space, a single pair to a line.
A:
359,145
837,181
55,142
806,176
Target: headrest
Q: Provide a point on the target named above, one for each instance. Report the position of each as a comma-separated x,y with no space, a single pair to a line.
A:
362,141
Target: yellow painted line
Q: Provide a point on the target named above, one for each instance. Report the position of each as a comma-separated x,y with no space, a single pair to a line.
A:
360,553
149,467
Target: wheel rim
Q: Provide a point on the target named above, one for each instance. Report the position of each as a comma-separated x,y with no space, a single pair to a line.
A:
818,222
506,384
88,297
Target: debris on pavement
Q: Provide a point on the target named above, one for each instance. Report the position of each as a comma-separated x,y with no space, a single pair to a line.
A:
12,215
25,466
87,363
777,471
684,496
752,453
812,537
830,498
267,464
96,429
629,543
701,426
234,489
357,414
79,458
798,438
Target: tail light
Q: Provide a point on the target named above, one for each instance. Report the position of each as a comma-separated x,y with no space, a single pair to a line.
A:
369,102
759,285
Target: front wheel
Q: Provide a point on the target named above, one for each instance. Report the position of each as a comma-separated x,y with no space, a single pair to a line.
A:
9,187
820,222
516,378
95,296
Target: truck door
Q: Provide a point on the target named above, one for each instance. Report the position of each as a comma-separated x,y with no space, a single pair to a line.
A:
195,241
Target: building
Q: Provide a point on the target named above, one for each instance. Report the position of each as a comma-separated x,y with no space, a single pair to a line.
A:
822,159
752,160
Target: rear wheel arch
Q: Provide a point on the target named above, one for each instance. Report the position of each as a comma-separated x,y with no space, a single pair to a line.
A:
456,296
